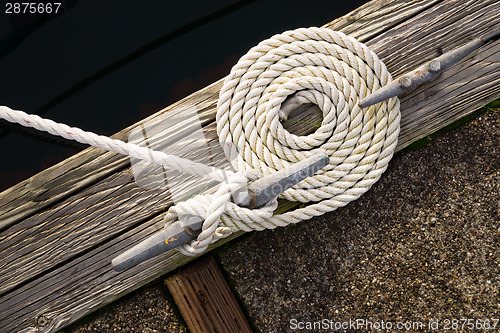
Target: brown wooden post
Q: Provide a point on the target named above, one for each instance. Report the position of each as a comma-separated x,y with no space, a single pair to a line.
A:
205,300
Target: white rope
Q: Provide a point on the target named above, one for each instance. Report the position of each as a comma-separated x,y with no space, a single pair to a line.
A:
118,146
314,65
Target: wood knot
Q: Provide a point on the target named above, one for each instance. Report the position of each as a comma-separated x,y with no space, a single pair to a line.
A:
201,297
42,321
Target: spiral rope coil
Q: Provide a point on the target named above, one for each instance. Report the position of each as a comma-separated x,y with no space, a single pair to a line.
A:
317,66
305,66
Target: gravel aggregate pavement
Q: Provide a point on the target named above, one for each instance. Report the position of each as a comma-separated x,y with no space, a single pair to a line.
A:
150,309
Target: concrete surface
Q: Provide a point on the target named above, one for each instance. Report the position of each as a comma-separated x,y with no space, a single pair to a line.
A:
420,248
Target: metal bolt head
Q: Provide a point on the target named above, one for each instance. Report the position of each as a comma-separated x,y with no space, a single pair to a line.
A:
405,82
434,66
192,224
244,197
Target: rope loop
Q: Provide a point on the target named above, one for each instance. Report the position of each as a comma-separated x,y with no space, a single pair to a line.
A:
221,217
314,66
309,66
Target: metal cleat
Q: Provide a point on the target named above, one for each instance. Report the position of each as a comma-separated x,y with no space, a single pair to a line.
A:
426,72
253,195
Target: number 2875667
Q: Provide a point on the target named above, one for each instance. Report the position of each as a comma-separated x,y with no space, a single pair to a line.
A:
32,8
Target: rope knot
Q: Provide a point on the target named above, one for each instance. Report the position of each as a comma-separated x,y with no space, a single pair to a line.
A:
219,214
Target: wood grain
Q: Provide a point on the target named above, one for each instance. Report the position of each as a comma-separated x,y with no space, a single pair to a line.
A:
61,228
205,300
376,17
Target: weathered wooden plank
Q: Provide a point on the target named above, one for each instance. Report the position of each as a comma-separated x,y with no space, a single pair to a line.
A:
205,300
78,286
454,94
376,17
92,165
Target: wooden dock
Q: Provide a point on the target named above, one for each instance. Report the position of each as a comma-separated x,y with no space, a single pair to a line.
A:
60,229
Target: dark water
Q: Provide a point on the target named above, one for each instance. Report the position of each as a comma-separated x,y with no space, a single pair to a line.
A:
104,65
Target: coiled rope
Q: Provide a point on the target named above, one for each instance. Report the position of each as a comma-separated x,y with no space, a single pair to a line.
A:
304,66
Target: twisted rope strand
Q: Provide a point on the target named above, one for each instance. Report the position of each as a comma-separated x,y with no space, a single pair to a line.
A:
318,66
118,146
